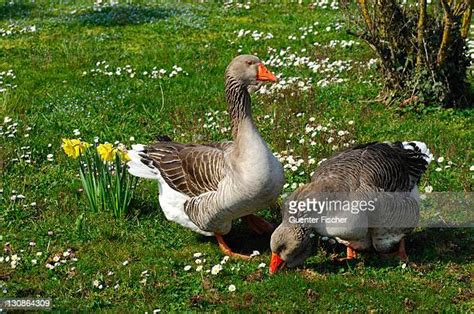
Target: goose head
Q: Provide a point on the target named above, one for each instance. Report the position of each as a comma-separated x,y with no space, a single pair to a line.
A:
249,71
290,244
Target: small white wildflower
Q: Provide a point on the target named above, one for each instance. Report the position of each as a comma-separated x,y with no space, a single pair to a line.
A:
224,260
96,283
125,263
471,168
262,265
199,268
438,169
404,265
440,159
198,261
34,261
197,254
255,253
76,132
187,267
216,269
428,189
232,288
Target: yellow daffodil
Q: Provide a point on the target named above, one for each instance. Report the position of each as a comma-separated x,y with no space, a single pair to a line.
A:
73,148
123,154
106,151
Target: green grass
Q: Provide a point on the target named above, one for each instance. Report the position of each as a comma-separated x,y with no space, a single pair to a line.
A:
53,98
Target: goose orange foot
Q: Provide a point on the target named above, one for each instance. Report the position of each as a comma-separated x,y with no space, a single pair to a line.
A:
401,253
227,250
350,255
258,224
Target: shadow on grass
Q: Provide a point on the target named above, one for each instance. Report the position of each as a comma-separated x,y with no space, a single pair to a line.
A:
15,10
243,240
453,245
441,244
120,15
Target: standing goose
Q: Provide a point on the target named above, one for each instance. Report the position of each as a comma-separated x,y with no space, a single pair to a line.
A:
206,187
390,172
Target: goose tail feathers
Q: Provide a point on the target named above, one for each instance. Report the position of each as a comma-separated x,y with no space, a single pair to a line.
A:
419,147
137,166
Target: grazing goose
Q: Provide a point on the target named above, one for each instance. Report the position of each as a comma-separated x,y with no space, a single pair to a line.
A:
206,187
364,170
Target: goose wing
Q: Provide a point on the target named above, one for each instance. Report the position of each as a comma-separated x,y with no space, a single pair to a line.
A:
191,169
378,166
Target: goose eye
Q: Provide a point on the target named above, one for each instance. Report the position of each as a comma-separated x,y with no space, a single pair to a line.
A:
249,62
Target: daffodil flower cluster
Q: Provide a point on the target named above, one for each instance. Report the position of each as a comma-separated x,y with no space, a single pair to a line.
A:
107,152
74,148
104,175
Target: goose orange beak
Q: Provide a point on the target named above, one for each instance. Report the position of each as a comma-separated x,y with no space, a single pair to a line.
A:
264,75
276,263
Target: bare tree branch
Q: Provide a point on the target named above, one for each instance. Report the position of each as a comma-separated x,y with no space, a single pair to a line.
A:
366,15
466,20
448,22
421,32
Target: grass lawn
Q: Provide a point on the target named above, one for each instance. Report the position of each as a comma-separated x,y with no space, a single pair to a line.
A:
65,82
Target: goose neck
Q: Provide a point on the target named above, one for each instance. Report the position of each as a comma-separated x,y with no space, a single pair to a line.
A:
239,105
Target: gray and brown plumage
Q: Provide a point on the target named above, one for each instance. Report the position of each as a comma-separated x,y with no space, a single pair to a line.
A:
386,172
206,186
